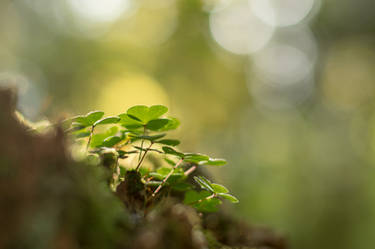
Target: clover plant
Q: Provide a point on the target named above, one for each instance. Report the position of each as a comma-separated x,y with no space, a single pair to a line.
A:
136,134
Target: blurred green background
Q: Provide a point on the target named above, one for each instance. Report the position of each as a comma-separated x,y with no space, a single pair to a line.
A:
283,89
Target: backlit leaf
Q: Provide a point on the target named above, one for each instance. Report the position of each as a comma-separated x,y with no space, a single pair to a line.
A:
145,114
128,122
208,206
156,111
194,196
156,124
172,124
94,116
229,197
171,151
204,183
214,162
219,188
111,141
81,121
195,158
108,120
89,119
171,142
76,127
97,139
150,138
198,200
139,112
82,134
169,161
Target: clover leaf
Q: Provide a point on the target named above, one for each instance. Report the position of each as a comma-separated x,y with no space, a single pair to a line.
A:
107,120
145,114
89,119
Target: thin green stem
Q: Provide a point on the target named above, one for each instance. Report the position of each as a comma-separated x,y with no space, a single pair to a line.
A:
166,178
88,142
143,157
140,153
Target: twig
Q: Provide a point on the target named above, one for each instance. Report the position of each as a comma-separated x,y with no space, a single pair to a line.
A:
189,171
166,178
143,157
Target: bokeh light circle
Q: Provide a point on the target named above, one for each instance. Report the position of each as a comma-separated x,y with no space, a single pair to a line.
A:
238,30
281,12
281,75
280,97
282,64
99,10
